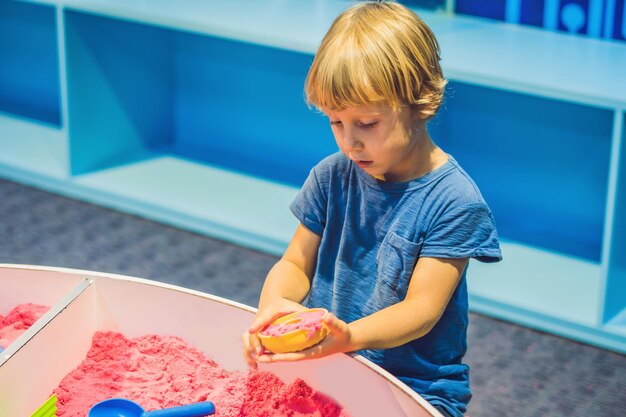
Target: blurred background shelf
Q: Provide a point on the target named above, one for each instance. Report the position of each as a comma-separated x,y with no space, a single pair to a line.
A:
223,204
521,285
193,114
33,147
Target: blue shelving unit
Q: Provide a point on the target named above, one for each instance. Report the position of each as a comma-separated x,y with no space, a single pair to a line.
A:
154,89
192,113
29,86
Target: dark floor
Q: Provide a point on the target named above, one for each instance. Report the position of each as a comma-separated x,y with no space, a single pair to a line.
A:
515,371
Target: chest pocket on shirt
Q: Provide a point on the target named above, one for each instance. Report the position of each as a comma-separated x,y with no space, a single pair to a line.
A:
397,257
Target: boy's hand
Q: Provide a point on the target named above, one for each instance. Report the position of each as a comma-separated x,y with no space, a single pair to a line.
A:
252,347
338,340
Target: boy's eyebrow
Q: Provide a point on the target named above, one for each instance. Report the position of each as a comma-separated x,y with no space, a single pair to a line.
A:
359,114
374,113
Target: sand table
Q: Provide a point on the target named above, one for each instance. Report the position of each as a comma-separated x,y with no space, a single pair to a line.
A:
163,371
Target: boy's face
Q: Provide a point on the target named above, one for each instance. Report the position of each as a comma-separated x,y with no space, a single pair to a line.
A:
380,140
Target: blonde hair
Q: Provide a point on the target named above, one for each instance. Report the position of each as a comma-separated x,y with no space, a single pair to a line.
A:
377,52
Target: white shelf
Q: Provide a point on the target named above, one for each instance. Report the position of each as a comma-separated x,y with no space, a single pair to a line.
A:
542,282
524,59
33,146
538,62
292,25
224,204
548,292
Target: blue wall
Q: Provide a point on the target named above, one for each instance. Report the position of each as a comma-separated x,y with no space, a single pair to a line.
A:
29,81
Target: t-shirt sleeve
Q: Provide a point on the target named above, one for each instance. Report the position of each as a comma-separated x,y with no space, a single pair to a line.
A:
467,231
309,206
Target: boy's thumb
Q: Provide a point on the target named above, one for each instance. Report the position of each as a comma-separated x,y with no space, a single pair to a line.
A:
257,324
262,320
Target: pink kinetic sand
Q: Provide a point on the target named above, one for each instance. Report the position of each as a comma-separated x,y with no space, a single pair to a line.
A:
164,371
311,321
18,320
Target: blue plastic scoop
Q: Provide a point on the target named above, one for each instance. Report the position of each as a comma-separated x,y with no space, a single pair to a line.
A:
120,407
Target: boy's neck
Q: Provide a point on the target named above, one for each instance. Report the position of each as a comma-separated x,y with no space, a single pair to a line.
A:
427,157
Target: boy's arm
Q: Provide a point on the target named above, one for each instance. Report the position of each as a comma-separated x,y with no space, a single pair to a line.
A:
432,284
286,285
290,278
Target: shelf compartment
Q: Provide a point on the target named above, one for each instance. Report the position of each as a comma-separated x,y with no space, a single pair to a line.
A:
29,62
32,147
541,164
137,89
536,280
548,292
223,204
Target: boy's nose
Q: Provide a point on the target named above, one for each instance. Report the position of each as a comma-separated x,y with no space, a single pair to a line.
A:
352,143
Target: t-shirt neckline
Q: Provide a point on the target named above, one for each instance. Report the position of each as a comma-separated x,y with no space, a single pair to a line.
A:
387,186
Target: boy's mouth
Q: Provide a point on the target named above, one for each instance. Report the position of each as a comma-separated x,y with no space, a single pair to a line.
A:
363,164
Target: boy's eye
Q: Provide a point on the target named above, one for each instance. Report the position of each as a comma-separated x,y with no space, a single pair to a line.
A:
368,125
335,123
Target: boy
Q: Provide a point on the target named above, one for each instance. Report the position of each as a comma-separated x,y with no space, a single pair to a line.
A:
389,223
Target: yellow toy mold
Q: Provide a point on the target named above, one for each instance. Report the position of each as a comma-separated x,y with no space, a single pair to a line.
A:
296,339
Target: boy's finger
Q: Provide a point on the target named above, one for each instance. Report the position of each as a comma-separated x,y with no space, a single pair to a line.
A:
310,353
255,344
245,341
280,357
251,362
262,320
249,354
257,324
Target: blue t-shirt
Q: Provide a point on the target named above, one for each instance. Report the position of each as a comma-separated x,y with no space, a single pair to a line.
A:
372,234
